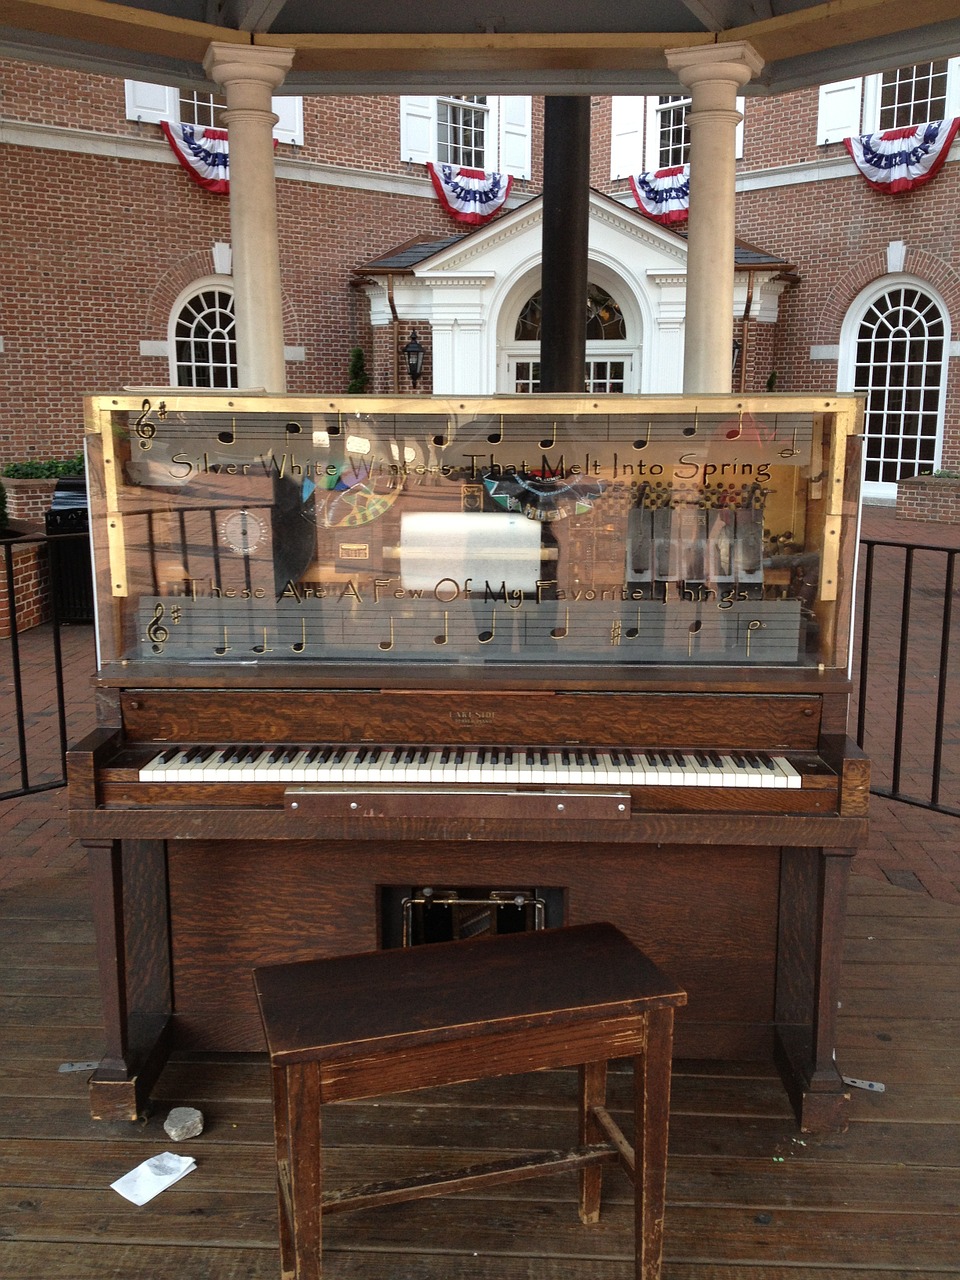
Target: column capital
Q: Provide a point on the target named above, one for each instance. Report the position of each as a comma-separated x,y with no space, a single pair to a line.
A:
736,62
229,63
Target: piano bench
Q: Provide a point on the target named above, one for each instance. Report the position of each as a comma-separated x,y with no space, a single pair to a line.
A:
360,1026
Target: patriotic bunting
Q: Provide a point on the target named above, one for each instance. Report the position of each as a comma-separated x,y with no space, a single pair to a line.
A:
470,195
663,196
902,159
204,153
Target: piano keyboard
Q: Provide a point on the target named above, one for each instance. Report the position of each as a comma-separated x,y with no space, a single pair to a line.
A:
537,766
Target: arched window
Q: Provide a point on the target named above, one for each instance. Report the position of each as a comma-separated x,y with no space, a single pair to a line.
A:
607,368
205,341
898,364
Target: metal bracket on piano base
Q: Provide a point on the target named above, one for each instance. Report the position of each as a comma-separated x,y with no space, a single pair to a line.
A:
588,804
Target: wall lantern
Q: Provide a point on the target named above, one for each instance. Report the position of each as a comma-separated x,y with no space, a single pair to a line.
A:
414,353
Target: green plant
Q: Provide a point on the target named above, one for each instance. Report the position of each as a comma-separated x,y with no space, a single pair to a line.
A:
947,475
359,378
51,469
3,506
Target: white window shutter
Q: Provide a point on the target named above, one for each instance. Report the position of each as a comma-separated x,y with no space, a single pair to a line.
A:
516,117
418,129
651,136
289,128
151,103
838,115
626,137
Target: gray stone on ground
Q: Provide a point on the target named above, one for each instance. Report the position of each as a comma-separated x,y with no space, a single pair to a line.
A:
183,1123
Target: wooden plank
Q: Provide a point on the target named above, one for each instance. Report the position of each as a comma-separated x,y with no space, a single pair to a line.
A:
48,1010
922,1004
28,1260
456,1127
495,1226
877,950
902,977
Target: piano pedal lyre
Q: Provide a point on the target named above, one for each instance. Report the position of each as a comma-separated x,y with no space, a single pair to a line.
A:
469,913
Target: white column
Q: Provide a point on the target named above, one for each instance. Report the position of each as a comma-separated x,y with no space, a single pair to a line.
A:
714,74
248,76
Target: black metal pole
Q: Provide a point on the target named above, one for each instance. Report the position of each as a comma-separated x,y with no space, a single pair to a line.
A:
566,217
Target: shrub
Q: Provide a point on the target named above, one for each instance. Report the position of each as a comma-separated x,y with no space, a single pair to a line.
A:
359,378
52,469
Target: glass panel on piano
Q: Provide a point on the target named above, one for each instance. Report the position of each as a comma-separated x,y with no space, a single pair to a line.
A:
613,530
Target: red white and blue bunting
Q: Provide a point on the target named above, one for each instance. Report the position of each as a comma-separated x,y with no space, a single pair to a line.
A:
903,159
204,153
470,195
664,195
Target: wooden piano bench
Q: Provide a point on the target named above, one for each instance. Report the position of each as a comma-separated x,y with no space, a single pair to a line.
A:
387,1021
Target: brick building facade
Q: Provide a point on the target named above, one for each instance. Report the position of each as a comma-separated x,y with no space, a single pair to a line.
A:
106,240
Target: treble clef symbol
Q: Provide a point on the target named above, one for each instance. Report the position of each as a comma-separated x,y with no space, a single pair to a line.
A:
157,633
144,428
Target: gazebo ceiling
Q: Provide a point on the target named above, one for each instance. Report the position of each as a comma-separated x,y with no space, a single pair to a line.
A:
531,46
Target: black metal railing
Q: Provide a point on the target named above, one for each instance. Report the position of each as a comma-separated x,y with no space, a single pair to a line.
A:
26,696
906,697
907,700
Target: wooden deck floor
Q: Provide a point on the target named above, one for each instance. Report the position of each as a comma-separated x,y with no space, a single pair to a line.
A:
750,1198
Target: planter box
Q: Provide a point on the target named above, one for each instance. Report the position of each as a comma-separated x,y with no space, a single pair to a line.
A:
28,501
929,498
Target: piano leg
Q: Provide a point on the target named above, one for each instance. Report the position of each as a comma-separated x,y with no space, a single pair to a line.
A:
813,893
130,909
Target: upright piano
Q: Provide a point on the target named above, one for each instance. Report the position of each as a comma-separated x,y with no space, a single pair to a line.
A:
364,663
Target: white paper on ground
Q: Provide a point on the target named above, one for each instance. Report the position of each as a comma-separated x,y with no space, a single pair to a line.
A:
153,1176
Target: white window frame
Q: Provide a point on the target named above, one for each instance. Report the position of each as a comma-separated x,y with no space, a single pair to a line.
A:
850,108
595,351
154,103
219,284
508,132
847,365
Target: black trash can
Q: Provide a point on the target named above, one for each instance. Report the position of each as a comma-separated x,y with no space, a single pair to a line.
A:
67,526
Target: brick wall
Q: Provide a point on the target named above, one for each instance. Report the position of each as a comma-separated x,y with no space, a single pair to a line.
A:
929,498
31,586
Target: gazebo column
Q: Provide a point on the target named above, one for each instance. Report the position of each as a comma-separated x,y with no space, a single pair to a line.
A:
248,76
714,74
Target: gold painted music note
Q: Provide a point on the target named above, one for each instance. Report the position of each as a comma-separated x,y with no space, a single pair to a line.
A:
486,636
301,644
694,629
793,450
221,649
229,437
144,428
754,625
444,635
735,435
292,429
496,437
263,647
549,444
387,645
632,632
561,633
642,444
692,431
157,633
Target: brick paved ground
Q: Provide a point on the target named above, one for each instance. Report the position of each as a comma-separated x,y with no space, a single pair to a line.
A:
909,846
